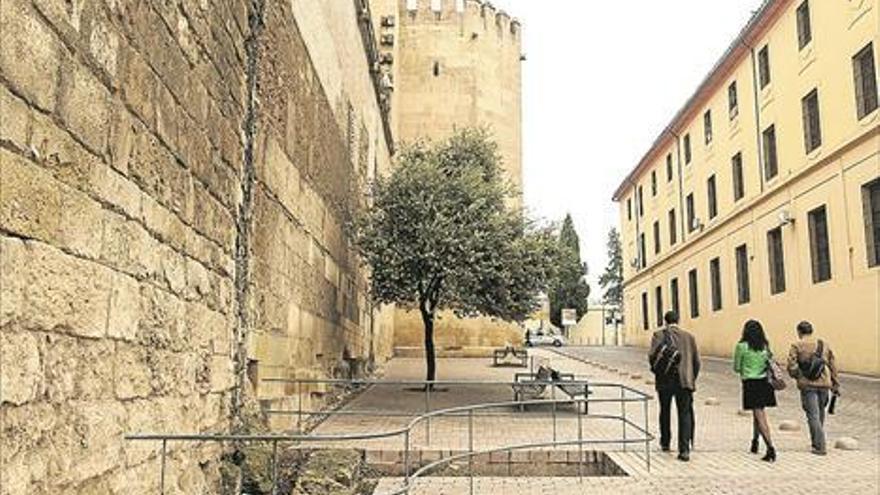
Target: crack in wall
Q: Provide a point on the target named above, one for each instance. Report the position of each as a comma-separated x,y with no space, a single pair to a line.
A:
244,219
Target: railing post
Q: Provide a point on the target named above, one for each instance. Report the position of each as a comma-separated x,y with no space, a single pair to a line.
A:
623,413
299,415
406,456
471,449
580,447
162,469
427,410
275,467
647,435
554,421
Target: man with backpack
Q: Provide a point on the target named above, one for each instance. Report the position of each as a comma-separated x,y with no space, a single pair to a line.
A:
811,363
675,362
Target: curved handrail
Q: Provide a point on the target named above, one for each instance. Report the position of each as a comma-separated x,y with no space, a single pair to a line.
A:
406,430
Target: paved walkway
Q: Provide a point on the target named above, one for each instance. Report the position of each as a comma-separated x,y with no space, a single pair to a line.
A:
720,462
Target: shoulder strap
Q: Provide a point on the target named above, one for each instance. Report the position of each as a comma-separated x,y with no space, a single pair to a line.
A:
819,349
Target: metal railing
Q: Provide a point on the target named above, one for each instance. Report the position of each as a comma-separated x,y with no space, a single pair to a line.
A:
627,395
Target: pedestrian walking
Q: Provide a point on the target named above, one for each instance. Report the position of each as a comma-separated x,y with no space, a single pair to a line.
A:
751,360
811,363
675,362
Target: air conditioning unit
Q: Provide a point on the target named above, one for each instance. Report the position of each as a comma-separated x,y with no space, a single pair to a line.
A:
387,82
388,21
388,39
785,218
386,58
696,224
634,263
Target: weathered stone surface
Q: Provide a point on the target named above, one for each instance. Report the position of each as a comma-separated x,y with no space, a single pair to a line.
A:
712,401
21,369
30,55
84,106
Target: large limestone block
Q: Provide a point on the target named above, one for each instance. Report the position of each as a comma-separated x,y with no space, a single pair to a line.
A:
21,370
77,369
29,59
30,200
85,106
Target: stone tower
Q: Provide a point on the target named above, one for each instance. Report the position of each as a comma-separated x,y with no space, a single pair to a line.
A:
454,64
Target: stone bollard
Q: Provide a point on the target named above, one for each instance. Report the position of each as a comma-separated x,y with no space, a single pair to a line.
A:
712,401
846,443
789,425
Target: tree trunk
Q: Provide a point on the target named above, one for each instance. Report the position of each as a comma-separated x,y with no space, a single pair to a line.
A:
430,358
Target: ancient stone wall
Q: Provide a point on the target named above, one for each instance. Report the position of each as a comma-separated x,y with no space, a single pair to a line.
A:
173,179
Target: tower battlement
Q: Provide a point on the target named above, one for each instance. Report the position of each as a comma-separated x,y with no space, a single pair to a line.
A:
467,12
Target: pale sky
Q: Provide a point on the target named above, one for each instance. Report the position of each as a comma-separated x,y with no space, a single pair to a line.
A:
601,81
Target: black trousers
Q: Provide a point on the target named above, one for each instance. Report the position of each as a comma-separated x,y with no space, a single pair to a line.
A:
684,407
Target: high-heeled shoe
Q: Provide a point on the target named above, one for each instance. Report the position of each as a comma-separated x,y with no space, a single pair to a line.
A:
770,456
754,448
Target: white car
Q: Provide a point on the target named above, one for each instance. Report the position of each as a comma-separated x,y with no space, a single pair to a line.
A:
555,340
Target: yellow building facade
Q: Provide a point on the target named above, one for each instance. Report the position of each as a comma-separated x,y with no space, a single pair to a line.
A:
761,198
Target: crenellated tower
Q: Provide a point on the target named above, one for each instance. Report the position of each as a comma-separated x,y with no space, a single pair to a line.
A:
454,63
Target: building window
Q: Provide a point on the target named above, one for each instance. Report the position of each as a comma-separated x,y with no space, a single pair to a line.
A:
732,103
629,209
645,324
657,237
693,293
865,80
820,250
687,149
776,258
673,230
643,256
739,189
691,216
713,201
743,292
715,282
707,126
771,167
804,32
812,129
871,208
764,66
673,295
669,167
653,182
658,305
641,204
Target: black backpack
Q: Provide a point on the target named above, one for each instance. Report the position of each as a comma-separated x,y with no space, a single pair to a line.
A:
666,359
812,368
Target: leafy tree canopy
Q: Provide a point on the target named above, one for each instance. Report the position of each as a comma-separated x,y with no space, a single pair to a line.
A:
612,279
438,234
570,288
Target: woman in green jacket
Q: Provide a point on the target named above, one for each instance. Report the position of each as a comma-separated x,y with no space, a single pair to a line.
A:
751,359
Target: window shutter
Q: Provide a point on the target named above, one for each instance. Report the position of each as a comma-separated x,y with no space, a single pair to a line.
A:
858,76
805,117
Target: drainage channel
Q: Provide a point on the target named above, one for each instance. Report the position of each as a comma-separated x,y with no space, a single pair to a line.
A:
521,463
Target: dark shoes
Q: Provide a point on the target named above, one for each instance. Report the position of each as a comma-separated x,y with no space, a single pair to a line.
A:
816,451
664,448
684,456
770,456
754,447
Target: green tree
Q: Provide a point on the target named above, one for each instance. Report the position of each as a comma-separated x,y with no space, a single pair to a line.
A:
612,280
569,289
437,234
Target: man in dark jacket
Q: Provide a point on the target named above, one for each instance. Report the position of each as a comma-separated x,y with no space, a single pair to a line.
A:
678,385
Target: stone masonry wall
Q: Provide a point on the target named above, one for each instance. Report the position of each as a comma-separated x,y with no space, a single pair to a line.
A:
172,181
